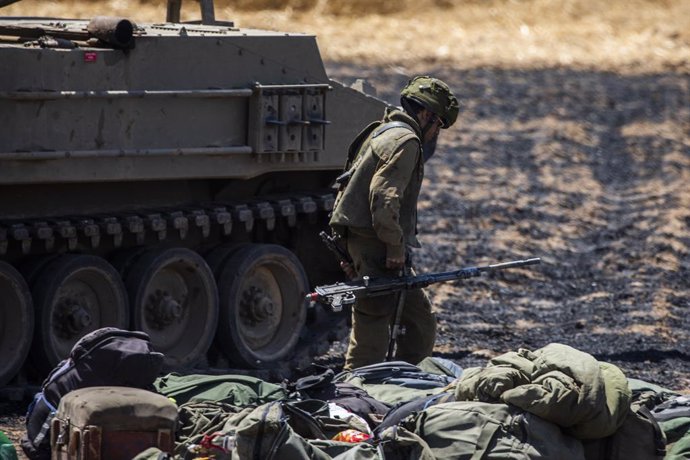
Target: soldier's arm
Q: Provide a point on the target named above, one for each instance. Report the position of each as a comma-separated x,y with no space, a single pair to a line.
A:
386,191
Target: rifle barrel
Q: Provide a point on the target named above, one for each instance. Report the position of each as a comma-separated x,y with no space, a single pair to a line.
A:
512,264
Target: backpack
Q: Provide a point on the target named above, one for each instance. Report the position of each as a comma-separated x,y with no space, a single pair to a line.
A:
104,357
398,373
640,437
478,430
394,382
298,430
112,422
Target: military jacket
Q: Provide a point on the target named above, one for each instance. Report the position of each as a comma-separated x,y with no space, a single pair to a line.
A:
380,198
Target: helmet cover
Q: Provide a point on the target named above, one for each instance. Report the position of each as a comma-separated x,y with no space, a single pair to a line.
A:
433,95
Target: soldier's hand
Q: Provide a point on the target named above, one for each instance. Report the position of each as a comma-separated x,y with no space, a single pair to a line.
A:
395,263
348,269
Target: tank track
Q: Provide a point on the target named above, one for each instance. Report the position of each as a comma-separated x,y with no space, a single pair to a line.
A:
69,233
196,226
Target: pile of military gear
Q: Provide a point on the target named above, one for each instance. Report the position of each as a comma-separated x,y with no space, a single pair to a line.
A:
105,357
554,402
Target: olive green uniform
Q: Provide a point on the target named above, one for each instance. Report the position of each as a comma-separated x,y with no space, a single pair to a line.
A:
376,213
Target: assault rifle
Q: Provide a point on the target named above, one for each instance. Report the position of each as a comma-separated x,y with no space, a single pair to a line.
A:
339,294
333,246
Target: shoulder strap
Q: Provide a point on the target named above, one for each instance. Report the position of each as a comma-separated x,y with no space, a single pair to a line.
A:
393,124
358,141
659,439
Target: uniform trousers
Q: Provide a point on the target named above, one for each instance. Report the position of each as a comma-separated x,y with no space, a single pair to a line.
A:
372,317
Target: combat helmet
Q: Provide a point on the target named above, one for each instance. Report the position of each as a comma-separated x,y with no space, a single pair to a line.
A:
434,95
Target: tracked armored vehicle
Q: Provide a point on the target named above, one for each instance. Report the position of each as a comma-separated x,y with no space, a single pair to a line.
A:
170,178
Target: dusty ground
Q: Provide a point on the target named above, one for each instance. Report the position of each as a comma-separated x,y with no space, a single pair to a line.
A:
573,145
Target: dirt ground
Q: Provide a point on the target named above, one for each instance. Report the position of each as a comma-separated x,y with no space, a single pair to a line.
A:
573,145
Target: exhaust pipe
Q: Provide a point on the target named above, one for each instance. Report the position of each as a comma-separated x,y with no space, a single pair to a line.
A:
116,32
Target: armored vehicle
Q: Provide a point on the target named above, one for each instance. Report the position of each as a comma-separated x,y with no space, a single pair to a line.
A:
170,178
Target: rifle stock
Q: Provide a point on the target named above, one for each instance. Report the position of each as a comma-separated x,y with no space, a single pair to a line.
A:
339,294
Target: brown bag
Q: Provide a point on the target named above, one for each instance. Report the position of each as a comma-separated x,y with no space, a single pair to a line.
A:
113,423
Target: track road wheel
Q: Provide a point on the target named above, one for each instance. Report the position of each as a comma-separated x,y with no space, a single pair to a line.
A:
16,322
175,301
262,305
74,295
218,256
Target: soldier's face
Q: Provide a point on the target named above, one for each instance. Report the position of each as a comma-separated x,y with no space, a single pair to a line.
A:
429,147
431,125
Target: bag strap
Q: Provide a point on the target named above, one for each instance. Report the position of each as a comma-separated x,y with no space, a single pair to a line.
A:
672,408
256,455
489,429
659,445
358,141
390,125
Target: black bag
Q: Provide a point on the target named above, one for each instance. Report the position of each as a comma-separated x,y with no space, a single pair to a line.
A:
104,357
346,395
399,373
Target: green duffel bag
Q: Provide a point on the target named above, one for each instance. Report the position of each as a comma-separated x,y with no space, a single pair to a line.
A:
238,390
476,430
7,450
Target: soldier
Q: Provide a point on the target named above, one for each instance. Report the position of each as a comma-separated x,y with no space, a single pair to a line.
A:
376,215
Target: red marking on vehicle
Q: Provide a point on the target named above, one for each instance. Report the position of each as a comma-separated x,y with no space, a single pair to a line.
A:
90,56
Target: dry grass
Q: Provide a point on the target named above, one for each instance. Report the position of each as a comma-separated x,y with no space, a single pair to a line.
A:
633,35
